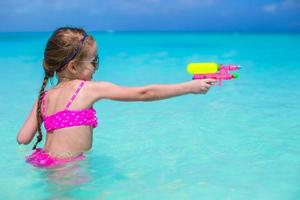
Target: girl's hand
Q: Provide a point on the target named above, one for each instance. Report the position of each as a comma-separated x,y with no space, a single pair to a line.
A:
201,86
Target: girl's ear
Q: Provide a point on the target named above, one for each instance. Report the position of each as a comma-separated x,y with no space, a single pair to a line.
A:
72,67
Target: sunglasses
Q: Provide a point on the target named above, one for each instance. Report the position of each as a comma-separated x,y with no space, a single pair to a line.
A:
94,62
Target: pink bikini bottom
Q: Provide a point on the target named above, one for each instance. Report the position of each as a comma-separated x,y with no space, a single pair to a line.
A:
40,158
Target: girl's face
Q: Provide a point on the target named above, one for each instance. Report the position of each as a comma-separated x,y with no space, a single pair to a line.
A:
89,65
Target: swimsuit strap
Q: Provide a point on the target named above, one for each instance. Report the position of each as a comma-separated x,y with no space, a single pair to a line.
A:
44,104
74,95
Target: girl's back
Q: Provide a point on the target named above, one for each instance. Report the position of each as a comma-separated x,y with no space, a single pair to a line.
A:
68,140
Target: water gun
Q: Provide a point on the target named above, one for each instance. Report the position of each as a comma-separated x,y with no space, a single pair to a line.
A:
212,70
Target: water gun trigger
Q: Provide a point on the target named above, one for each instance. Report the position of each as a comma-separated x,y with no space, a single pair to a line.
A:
215,82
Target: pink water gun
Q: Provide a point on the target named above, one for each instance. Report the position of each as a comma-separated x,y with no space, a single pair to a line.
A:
212,70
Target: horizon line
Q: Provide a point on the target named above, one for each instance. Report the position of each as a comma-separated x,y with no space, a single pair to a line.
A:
165,31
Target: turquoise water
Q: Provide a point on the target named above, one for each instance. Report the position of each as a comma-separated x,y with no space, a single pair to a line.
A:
239,141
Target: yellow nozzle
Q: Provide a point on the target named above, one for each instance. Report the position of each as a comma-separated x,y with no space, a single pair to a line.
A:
202,68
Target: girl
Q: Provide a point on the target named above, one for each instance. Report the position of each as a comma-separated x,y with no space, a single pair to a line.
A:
67,109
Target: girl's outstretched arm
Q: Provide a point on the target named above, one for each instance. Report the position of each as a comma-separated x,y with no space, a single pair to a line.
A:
107,90
29,128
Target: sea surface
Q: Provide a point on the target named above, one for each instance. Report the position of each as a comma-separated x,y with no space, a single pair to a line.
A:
240,141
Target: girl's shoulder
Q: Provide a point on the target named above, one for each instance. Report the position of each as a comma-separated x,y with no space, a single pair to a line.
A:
70,85
63,93
63,90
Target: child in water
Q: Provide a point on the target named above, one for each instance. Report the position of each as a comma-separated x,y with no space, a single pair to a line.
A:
67,108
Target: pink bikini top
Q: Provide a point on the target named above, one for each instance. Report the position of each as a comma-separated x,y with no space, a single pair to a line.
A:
69,118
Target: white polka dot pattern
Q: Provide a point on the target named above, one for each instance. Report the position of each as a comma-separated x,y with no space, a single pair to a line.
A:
69,118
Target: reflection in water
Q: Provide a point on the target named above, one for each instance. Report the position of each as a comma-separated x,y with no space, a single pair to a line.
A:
90,178
63,181
68,174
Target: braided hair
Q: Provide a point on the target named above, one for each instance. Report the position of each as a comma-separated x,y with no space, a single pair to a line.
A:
39,115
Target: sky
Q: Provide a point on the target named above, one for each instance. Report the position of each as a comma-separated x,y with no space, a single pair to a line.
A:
151,15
